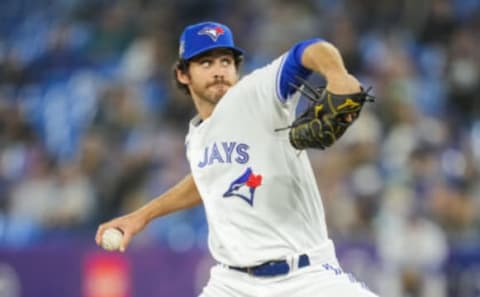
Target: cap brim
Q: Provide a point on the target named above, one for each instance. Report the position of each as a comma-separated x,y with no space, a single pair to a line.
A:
237,51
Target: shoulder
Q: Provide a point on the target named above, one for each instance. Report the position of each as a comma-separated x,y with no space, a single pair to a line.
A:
266,71
262,81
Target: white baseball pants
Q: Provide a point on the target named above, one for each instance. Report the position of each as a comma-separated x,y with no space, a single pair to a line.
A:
323,278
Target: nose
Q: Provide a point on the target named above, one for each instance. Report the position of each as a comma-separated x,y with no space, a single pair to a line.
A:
219,70
218,76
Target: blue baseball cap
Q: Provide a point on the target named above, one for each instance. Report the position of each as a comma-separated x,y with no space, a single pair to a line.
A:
199,38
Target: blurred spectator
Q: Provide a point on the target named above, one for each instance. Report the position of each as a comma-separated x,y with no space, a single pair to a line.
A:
464,75
33,197
59,60
12,72
112,33
75,199
440,23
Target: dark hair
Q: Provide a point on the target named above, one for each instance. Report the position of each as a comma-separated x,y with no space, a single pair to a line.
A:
182,66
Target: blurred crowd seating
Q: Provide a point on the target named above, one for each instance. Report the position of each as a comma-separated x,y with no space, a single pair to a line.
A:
92,127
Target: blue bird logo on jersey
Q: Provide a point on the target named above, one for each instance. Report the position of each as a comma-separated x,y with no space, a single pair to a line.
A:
244,187
212,32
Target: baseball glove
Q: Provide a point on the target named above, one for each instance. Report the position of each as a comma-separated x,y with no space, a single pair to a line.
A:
327,118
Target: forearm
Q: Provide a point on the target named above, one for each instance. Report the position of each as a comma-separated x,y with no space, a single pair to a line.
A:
324,58
182,196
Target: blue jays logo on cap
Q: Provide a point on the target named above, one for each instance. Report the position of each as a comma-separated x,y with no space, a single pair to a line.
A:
244,186
199,38
213,33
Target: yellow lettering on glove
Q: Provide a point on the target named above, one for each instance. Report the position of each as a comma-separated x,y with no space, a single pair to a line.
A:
348,103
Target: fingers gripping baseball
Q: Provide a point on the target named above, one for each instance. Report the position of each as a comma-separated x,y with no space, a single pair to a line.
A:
126,227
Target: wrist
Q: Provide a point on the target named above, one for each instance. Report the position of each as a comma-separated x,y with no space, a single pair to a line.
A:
144,215
336,75
343,84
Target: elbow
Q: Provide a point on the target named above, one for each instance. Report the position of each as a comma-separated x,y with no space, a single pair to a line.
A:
319,50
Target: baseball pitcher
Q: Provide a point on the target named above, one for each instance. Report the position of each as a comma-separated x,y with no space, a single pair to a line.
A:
246,150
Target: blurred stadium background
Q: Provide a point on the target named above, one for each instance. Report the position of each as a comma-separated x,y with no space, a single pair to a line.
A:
91,127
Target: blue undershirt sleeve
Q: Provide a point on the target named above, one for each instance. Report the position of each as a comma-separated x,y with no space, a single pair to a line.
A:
291,67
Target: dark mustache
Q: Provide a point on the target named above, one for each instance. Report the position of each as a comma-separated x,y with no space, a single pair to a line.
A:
219,82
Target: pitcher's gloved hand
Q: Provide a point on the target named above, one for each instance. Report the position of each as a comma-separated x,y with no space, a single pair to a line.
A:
327,118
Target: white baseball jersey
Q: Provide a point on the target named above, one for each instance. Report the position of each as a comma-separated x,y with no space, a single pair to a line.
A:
260,194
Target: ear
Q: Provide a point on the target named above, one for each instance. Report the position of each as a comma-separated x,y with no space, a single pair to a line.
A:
183,77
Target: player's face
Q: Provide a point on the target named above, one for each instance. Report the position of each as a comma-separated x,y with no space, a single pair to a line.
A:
211,75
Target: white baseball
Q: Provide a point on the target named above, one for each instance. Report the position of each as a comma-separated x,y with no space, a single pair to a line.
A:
112,239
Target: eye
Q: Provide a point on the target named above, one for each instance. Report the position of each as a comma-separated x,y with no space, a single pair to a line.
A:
227,61
206,63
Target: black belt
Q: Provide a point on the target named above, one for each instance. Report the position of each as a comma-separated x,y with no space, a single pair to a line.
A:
273,268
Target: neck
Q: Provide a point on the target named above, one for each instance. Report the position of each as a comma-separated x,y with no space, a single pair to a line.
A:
204,108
